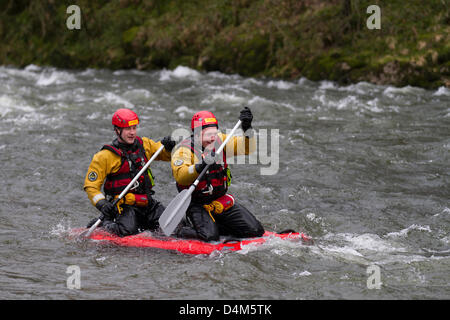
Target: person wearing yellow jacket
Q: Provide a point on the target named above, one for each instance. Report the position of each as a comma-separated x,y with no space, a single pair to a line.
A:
114,167
213,212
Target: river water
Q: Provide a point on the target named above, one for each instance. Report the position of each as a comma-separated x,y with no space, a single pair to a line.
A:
363,169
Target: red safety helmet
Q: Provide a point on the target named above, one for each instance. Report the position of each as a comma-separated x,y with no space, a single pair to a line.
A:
204,119
124,118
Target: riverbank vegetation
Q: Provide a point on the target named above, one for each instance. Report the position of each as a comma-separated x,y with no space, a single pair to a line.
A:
273,38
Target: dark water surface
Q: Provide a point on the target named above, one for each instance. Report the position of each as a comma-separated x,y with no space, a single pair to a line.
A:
363,169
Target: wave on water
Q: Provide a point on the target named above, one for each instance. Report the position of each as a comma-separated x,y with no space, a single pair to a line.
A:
179,72
281,84
403,90
370,248
30,73
55,78
141,94
278,246
114,100
183,110
406,231
442,91
360,88
10,104
227,97
63,228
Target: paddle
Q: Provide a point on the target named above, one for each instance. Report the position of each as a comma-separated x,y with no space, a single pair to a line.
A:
124,192
176,209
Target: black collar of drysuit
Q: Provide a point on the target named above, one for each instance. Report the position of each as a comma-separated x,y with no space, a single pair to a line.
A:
125,146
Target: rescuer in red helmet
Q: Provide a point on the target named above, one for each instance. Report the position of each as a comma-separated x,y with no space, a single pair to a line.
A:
115,166
213,211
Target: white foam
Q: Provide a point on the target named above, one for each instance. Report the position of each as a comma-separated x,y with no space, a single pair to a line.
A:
227,86
345,251
445,211
120,72
289,106
361,248
137,94
305,273
361,88
182,110
372,105
21,73
180,72
95,115
33,68
304,82
245,249
372,242
259,100
76,94
115,100
445,239
281,85
220,75
442,91
408,90
55,78
60,229
34,117
404,232
89,72
352,102
185,72
324,85
9,104
253,81
226,97
348,103
313,218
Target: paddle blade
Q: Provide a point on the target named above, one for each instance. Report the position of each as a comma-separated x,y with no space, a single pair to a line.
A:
174,212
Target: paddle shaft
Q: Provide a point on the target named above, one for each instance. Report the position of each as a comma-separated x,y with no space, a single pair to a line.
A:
124,192
187,196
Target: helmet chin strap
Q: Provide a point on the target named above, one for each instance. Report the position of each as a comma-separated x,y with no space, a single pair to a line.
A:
118,132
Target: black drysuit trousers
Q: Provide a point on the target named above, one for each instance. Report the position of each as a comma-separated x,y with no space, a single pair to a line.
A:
237,221
134,219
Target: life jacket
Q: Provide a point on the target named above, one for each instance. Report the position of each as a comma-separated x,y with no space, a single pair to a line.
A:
215,181
133,160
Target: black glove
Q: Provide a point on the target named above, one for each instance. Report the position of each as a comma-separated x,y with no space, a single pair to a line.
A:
106,208
208,158
246,118
168,143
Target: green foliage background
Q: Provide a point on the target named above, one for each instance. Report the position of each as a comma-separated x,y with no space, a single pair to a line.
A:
273,38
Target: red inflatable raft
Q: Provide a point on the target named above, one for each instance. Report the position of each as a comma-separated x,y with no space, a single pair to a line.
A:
147,240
